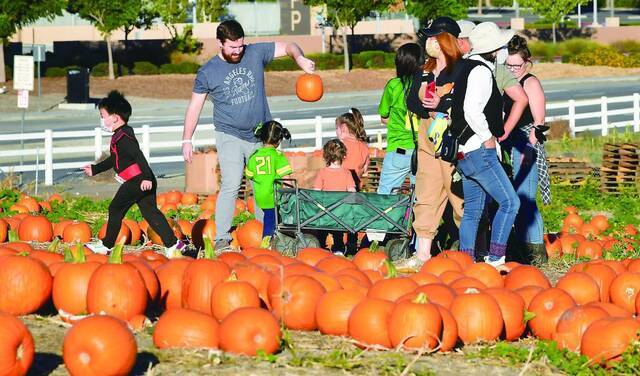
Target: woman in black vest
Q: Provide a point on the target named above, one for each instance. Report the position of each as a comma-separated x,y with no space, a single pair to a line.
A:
477,121
527,155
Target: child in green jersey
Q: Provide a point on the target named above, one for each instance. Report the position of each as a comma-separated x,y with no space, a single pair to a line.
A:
265,166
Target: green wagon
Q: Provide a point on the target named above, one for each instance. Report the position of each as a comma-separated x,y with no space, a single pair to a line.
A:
299,211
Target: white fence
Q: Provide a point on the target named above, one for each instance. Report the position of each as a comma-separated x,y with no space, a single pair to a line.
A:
49,144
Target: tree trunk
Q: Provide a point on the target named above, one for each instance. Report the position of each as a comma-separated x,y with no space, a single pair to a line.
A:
345,48
480,6
108,40
553,31
3,77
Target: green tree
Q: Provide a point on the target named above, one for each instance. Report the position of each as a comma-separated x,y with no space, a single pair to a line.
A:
425,10
344,14
172,12
107,16
15,14
553,11
144,20
211,10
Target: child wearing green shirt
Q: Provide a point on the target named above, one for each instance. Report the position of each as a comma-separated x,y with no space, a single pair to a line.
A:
266,165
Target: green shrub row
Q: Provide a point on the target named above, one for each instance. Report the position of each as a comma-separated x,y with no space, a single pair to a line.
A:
364,60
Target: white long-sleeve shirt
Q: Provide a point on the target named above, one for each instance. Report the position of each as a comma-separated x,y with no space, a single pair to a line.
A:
479,88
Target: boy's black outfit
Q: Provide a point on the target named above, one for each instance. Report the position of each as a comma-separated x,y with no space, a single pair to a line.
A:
131,168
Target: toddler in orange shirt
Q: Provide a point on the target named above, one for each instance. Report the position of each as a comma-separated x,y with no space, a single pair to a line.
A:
335,177
350,130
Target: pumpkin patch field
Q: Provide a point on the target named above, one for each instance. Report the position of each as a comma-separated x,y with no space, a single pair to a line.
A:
65,310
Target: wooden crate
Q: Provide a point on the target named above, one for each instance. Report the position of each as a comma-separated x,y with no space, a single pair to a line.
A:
371,179
568,170
620,170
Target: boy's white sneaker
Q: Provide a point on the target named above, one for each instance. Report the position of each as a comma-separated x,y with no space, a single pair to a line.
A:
98,247
175,250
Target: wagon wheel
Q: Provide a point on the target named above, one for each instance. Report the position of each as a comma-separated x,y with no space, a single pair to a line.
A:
397,249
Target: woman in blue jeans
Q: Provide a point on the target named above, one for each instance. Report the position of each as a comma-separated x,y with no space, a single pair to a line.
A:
527,155
477,122
393,112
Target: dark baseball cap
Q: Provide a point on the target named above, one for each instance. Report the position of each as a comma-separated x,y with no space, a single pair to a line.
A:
437,26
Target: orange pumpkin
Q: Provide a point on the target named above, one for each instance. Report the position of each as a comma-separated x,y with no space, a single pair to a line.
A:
439,265
590,249
58,228
172,197
257,276
463,259
449,330
117,289
189,198
30,203
525,275
415,325
335,264
513,312
56,198
573,323
25,284
369,322
309,87
70,285
4,230
371,258
548,306
250,234
18,208
606,339
35,228
392,288
247,330
438,293
232,258
230,295
200,278
582,288
527,293
294,301
611,309
603,276
478,316
170,278
149,277
76,232
16,348
624,289
124,235
485,273
134,229
84,345
333,311
183,328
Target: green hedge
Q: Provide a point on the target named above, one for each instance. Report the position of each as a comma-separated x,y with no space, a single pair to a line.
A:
144,68
606,56
365,60
627,46
185,67
543,24
100,70
56,72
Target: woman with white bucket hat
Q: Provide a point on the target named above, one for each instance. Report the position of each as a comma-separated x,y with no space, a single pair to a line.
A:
476,120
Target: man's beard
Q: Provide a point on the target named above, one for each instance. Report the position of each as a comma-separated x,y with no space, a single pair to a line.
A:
231,58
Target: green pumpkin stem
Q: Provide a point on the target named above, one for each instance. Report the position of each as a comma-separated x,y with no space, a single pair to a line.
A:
68,255
13,236
266,241
79,256
116,254
392,272
209,252
421,299
374,246
53,247
528,316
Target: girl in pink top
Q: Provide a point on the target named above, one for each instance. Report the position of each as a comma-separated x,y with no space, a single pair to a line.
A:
350,130
335,177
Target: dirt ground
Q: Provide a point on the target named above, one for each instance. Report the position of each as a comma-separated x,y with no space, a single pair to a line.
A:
282,83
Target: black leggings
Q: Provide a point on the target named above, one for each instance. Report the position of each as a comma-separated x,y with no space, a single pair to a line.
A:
128,194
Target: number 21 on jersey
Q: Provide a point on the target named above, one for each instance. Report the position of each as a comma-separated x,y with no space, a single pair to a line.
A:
263,166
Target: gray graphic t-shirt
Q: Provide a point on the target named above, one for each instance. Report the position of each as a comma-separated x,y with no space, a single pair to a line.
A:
237,90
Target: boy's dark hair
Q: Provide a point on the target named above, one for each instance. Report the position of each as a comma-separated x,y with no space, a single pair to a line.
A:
115,104
229,29
272,133
334,151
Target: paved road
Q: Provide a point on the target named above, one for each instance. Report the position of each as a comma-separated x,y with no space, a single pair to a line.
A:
170,113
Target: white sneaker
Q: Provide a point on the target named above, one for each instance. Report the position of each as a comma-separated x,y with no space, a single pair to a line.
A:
338,253
175,250
412,262
494,262
98,247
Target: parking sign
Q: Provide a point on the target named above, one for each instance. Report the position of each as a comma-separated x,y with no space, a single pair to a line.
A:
22,72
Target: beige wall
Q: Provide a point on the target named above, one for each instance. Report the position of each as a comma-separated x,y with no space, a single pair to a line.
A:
615,34
202,31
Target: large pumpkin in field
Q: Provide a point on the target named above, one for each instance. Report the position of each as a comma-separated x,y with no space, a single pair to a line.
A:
478,316
247,330
99,345
35,228
250,234
309,87
16,346
76,231
25,285
183,328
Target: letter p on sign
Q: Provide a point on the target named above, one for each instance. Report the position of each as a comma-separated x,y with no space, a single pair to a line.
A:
296,16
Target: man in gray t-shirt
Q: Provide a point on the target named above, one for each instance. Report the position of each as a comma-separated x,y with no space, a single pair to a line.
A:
234,81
